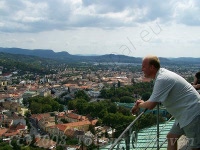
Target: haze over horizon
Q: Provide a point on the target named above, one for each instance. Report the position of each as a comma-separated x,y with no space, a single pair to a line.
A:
133,28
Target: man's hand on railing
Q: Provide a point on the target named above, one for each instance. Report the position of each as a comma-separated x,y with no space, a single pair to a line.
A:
136,108
139,101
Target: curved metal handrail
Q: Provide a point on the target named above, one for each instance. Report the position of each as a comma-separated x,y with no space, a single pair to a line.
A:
120,137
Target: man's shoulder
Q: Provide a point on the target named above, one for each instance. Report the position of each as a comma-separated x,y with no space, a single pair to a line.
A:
165,75
165,72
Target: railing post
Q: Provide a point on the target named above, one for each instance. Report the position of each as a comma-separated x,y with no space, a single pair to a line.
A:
158,126
127,139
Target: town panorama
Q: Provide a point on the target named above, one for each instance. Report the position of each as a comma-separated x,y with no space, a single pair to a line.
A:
49,104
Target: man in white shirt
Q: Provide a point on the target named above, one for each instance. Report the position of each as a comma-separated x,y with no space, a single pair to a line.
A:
180,99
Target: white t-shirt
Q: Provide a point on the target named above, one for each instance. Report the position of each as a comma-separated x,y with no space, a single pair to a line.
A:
178,96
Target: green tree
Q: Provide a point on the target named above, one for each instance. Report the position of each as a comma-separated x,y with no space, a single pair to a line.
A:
72,104
68,89
111,107
80,94
115,99
15,145
46,108
81,105
146,96
36,108
126,99
56,105
124,111
59,147
41,104
118,83
5,146
26,148
92,129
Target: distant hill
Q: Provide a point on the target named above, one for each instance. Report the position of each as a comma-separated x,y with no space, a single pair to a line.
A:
66,57
185,59
37,52
24,63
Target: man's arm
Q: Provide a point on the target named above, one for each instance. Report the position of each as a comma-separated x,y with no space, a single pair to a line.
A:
143,104
197,86
147,104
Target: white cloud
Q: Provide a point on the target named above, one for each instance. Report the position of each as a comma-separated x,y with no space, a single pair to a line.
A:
102,26
44,15
186,12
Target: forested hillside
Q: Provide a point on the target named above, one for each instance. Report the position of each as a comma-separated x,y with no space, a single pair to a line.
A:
23,63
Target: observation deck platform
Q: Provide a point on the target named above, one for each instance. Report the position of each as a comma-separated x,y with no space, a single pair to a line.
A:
146,139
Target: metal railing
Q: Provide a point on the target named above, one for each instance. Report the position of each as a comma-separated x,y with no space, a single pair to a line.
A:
155,139
122,134
158,132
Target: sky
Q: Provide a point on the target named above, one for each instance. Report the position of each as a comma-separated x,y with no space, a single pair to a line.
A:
134,28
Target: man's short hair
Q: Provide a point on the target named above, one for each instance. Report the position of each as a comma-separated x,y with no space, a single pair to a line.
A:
154,60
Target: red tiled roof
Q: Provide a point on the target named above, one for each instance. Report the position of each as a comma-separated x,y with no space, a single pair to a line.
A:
40,116
69,85
11,133
76,116
73,116
3,131
81,123
85,87
20,127
61,127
